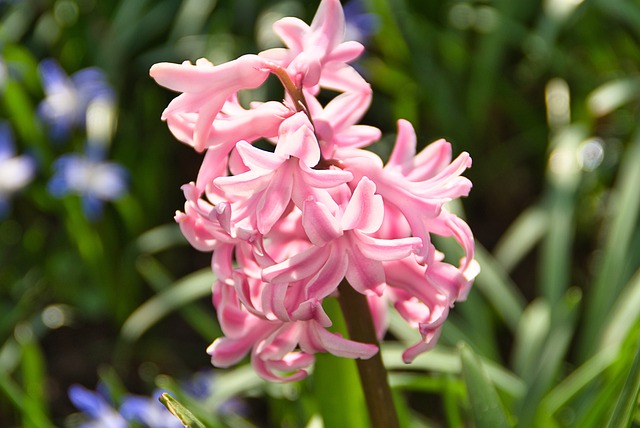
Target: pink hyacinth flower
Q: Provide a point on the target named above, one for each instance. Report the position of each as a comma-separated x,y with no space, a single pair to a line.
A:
292,224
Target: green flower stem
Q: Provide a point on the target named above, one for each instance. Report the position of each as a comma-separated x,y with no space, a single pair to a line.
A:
373,375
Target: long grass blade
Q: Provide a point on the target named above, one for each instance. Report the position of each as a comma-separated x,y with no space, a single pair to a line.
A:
186,290
486,408
610,277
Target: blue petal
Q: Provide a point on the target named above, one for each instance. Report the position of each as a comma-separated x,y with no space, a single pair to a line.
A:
149,412
92,206
7,148
52,75
89,402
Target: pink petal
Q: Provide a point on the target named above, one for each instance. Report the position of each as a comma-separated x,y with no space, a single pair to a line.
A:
265,368
274,201
258,160
386,249
404,149
365,209
365,275
324,178
427,344
296,138
299,266
345,52
319,224
246,72
328,25
292,32
326,281
338,345
430,161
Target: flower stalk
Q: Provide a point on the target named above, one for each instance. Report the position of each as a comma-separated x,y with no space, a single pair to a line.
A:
373,375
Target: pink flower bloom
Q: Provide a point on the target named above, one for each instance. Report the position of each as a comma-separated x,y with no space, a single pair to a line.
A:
287,226
205,89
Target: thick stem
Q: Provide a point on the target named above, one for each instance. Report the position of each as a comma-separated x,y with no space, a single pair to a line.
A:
373,375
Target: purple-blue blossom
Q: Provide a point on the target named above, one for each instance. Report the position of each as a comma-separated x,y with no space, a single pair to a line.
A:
359,24
149,412
15,171
67,98
98,412
94,179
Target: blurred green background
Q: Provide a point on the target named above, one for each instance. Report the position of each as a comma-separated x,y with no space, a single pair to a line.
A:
544,95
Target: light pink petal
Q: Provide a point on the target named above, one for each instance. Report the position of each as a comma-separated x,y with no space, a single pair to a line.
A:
338,345
326,281
258,160
261,121
345,52
324,178
248,71
226,352
299,266
196,232
292,366
448,183
344,78
365,209
296,138
346,109
357,136
423,346
280,342
379,308
292,32
214,165
319,224
386,249
273,301
431,160
222,261
245,184
328,26
365,275
404,149
274,200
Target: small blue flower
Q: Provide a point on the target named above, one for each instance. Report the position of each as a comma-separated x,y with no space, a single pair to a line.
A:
98,411
90,177
15,171
149,412
360,25
67,98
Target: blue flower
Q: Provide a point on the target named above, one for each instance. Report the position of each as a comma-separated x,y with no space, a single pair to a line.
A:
149,412
360,25
99,412
67,98
90,177
15,171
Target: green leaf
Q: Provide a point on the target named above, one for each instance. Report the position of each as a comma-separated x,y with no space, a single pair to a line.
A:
627,404
521,237
443,360
180,412
530,337
33,377
610,278
188,289
337,383
486,408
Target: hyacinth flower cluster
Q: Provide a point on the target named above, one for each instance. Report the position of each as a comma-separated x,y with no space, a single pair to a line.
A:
292,225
